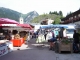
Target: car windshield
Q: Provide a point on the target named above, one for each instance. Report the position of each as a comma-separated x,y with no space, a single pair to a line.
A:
69,31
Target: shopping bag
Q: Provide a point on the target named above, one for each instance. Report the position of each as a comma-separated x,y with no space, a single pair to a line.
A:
40,39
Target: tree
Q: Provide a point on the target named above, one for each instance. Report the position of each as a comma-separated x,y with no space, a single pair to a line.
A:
55,12
60,13
50,12
53,22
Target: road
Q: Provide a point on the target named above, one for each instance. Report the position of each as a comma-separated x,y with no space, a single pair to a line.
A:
34,52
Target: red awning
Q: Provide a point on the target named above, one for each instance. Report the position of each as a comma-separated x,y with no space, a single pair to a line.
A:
25,26
19,27
8,21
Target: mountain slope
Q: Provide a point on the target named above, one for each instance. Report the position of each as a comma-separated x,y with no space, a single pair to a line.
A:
11,14
30,16
8,13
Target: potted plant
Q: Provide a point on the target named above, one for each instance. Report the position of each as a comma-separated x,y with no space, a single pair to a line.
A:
66,45
67,40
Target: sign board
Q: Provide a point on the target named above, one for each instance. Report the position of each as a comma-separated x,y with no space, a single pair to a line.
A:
9,25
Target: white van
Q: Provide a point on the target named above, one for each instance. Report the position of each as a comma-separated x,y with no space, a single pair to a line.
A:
70,31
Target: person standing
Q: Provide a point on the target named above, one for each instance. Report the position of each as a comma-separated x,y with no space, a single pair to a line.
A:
76,41
64,33
61,34
45,34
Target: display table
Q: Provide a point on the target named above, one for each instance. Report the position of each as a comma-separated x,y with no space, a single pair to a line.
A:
10,46
3,49
3,41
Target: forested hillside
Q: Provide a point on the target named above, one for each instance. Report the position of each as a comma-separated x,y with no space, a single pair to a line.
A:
8,13
56,18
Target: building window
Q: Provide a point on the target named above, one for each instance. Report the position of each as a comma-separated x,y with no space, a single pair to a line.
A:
71,18
78,15
74,16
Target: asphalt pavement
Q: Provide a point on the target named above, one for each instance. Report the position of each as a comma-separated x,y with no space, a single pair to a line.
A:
34,51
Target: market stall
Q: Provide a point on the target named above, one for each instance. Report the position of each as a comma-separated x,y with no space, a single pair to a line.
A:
8,26
5,44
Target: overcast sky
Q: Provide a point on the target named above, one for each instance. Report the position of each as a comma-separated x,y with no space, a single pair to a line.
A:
41,6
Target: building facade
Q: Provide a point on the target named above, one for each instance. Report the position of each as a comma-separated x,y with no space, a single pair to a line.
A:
21,20
47,22
73,18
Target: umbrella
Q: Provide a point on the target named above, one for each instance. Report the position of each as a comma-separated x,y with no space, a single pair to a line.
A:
8,21
25,26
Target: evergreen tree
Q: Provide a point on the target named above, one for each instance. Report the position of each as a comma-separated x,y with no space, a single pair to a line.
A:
50,12
60,13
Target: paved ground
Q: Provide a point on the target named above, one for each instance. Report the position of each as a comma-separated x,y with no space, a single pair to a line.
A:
37,53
